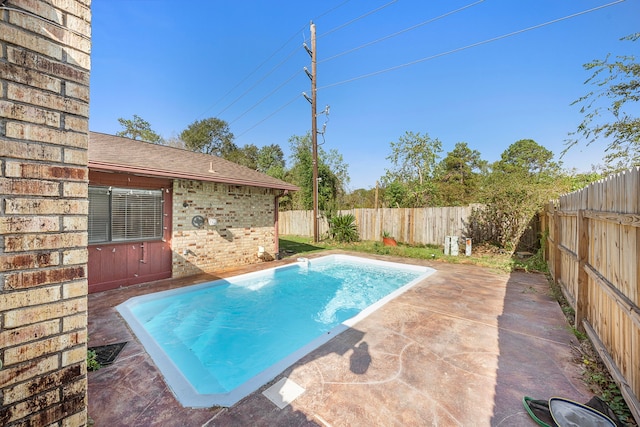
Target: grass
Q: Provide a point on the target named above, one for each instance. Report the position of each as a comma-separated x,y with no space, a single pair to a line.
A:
485,256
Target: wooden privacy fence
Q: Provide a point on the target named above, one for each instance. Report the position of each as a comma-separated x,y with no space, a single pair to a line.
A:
593,252
414,226
409,225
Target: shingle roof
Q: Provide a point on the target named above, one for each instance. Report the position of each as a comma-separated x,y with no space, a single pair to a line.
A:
119,154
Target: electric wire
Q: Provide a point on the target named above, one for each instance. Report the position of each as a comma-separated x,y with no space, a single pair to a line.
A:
493,39
256,84
263,63
371,12
331,10
428,21
288,57
266,96
297,97
255,70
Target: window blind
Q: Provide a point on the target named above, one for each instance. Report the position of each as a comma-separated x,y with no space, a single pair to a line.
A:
98,214
121,214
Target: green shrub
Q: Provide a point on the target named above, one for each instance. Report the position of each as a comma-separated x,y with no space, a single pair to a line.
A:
92,361
343,228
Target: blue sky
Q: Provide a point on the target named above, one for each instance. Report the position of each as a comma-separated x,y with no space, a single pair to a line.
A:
242,61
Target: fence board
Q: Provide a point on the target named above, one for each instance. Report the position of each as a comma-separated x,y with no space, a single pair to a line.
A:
596,234
419,226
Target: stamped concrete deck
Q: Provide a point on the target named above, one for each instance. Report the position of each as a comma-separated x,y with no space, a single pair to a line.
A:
459,349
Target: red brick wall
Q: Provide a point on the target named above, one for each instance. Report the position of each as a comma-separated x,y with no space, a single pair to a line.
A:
44,107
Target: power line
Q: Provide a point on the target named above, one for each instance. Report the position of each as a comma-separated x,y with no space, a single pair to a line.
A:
258,82
471,45
401,31
329,11
371,12
297,97
266,96
288,57
255,70
422,59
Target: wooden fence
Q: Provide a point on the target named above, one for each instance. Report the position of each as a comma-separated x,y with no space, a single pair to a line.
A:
593,252
407,225
414,226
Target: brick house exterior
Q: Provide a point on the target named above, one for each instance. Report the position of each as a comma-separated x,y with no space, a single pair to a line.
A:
45,49
217,214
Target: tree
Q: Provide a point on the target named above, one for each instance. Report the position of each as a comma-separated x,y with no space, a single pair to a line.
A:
138,128
245,156
395,194
360,198
175,142
271,160
528,157
608,109
414,159
338,172
519,185
332,174
209,136
458,175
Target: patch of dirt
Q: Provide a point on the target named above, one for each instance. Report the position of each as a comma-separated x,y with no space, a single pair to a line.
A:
485,249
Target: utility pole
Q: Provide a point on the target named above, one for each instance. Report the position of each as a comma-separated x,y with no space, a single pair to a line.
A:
314,129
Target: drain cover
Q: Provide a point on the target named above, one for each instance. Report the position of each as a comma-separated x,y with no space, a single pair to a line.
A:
106,354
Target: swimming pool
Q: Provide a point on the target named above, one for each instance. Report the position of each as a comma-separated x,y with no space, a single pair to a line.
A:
217,342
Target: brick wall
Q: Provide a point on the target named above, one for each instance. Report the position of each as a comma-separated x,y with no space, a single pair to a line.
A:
44,107
245,221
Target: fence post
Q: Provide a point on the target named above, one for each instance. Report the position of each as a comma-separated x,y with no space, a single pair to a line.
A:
557,254
544,226
583,279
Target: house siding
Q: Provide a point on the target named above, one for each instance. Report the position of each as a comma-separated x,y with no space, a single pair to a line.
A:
44,87
245,221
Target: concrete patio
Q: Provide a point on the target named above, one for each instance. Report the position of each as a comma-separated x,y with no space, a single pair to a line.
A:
459,349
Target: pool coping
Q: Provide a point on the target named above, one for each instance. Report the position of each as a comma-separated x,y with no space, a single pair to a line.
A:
182,389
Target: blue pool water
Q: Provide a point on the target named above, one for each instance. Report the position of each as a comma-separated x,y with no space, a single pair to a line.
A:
217,342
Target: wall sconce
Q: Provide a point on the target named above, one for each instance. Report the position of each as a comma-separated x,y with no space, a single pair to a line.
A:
212,221
185,204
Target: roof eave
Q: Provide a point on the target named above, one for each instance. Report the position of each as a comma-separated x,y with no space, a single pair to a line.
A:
110,167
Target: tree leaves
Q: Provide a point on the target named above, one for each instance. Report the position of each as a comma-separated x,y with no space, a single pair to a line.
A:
414,158
610,110
209,136
138,128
